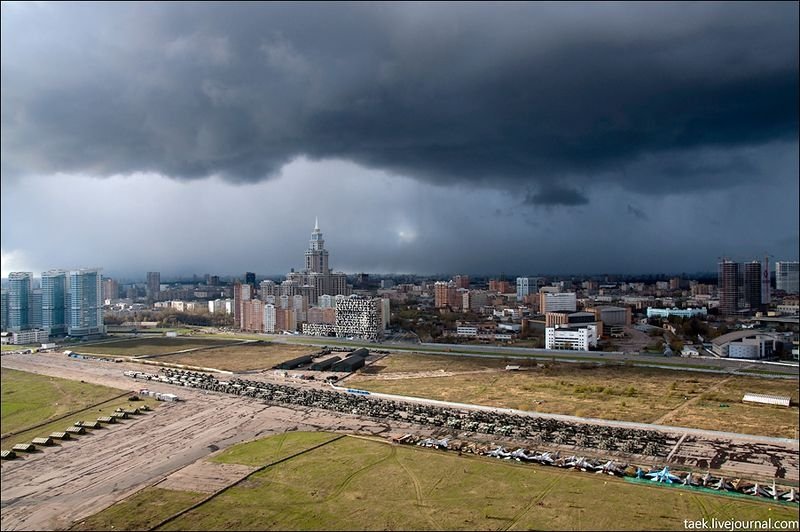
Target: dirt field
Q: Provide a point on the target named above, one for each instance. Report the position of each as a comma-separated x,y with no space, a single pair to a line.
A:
29,399
66,484
252,356
354,483
610,392
150,346
54,488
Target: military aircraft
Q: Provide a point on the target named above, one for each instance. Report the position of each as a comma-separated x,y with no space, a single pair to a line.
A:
791,496
433,442
639,473
690,480
706,480
756,490
663,475
545,458
581,463
773,492
500,452
722,485
520,455
611,468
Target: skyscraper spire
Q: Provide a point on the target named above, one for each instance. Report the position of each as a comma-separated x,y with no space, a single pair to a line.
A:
316,223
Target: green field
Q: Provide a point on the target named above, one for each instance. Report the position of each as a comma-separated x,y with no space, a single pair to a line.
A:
29,400
358,484
141,511
150,346
626,393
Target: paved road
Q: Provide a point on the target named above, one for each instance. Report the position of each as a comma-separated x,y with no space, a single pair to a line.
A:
716,365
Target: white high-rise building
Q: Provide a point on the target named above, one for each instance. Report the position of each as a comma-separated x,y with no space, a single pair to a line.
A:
85,303
386,313
269,318
326,301
787,276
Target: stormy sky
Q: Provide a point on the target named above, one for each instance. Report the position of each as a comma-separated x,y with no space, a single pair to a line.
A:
441,137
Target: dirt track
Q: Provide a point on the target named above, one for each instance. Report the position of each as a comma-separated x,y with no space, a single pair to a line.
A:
52,488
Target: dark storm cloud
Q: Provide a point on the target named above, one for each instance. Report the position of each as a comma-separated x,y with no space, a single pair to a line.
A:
556,195
636,212
640,95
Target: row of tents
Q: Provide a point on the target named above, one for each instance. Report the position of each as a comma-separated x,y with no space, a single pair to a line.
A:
76,429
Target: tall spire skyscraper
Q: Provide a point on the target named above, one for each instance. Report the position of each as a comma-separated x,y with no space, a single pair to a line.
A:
317,279
316,254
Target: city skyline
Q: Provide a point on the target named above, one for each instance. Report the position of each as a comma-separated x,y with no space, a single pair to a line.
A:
526,138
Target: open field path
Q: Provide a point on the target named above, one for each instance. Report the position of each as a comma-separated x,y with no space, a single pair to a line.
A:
663,419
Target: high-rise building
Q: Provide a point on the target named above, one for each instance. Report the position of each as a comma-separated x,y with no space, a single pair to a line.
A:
54,301
728,280
3,310
787,276
250,278
36,308
751,288
267,288
316,254
20,300
461,281
241,294
386,313
110,289
555,301
153,285
85,312
269,318
358,317
525,287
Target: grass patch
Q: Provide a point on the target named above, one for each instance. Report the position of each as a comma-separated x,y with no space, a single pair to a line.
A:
357,484
141,511
624,392
150,346
29,399
251,356
259,452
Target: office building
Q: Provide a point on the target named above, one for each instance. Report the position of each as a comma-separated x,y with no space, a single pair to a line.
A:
153,285
55,302
250,278
555,301
787,276
728,279
525,287
613,316
85,311
358,317
20,300
751,344
580,338
685,313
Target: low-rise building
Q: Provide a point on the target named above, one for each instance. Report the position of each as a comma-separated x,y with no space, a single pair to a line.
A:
679,312
571,338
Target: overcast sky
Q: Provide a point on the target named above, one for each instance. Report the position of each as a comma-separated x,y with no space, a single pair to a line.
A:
479,138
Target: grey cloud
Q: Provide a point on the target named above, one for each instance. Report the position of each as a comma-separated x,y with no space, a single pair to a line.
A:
637,212
644,96
556,195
